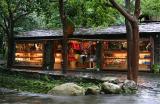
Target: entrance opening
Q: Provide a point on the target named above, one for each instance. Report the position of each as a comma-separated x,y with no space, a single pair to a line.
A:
57,51
82,54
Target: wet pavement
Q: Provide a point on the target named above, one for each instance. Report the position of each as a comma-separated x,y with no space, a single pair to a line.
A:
149,93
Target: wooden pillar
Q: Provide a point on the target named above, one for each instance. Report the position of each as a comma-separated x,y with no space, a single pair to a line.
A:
65,56
48,55
10,52
14,53
99,55
157,49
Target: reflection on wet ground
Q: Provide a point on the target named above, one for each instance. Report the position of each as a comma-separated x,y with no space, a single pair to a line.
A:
149,94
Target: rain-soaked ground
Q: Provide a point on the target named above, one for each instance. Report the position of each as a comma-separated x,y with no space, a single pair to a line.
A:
149,93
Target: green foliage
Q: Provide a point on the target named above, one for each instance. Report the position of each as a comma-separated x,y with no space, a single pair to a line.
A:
156,68
151,7
91,13
30,22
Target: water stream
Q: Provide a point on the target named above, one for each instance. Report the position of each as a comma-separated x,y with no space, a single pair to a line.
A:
150,94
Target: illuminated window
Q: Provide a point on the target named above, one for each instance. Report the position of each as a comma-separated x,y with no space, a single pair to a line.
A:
29,54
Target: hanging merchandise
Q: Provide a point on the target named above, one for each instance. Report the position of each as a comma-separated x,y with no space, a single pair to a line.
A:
86,45
71,56
75,45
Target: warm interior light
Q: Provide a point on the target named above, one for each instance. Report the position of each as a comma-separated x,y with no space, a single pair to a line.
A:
57,60
58,55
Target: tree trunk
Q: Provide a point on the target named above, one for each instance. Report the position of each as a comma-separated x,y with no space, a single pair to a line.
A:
11,51
135,35
135,50
64,42
129,42
129,50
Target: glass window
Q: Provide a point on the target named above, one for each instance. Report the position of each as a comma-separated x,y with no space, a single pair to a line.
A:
145,56
29,54
115,54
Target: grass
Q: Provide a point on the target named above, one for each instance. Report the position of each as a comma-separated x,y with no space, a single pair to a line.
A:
21,82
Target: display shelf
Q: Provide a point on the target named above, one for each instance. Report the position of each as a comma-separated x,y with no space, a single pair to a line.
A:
29,51
144,58
28,57
118,60
113,58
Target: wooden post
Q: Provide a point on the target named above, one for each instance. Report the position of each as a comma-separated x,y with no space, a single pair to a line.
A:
48,55
10,52
65,56
98,55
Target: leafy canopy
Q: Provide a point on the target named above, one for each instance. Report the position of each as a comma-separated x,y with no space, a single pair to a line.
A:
151,7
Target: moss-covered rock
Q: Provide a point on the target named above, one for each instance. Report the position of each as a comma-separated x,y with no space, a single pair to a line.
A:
67,89
110,88
129,86
93,90
110,79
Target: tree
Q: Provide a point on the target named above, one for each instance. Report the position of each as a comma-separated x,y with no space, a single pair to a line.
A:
64,43
134,29
10,12
15,12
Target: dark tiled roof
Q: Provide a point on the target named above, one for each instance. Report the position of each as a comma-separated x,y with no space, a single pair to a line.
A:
40,33
143,28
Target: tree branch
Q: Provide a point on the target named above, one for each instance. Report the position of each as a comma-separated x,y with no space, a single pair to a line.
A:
17,6
122,11
5,30
20,16
5,22
61,10
109,5
9,7
2,27
137,8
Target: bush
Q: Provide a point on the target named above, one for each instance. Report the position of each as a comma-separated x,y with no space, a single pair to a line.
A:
156,68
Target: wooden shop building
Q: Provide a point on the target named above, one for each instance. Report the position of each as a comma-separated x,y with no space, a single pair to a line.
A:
88,49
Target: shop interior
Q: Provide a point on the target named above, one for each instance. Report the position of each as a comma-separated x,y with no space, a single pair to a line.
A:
81,54
115,54
57,51
29,54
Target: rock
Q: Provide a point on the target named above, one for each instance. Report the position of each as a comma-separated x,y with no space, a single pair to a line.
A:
110,88
93,90
67,89
129,86
110,80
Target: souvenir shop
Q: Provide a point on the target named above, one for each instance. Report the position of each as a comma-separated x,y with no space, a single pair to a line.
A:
102,51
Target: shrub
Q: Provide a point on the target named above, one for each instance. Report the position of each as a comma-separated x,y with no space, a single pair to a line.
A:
156,68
